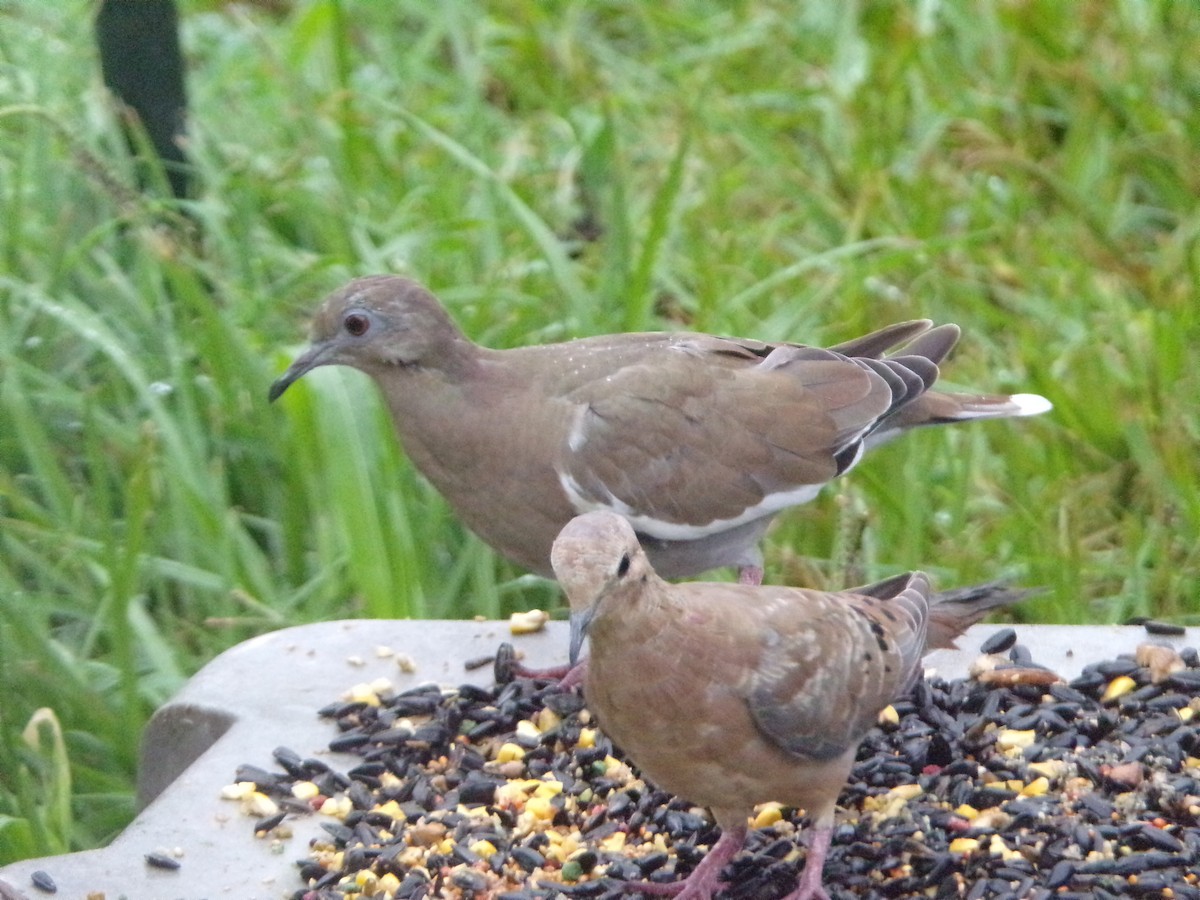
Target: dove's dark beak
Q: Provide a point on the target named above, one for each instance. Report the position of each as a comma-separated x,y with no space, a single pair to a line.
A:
579,626
317,355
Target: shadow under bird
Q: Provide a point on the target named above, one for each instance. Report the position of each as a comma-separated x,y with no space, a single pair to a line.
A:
699,441
731,695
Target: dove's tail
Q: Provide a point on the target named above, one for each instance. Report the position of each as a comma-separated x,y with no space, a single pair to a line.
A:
953,612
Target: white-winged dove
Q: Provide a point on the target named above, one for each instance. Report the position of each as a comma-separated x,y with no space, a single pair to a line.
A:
731,695
697,440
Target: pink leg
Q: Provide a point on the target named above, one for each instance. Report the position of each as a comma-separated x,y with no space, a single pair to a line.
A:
809,887
551,673
750,575
705,879
568,676
506,668
574,675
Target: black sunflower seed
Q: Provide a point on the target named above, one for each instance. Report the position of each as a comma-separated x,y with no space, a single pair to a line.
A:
162,861
1153,626
43,882
999,642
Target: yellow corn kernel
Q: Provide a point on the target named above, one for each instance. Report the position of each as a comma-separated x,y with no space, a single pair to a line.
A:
964,845
367,880
510,752
259,805
1013,739
239,790
769,814
997,847
391,809
614,843
305,790
561,847
486,849
527,622
337,807
1118,687
514,793
369,693
1036,788
993,819
528,729
540,808
547,719
551,788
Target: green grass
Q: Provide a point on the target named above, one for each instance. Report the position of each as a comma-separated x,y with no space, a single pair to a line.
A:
1028,170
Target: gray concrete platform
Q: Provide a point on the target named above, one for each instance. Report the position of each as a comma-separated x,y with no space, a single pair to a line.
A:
265,693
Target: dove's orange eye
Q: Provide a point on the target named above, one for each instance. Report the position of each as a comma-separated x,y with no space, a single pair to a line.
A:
356,324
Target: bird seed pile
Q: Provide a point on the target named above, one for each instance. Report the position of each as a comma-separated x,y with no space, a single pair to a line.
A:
1011,784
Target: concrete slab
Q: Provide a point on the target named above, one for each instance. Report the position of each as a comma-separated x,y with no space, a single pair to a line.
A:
265,692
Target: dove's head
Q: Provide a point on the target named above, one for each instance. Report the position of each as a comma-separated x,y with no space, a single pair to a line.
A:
593,557
377,324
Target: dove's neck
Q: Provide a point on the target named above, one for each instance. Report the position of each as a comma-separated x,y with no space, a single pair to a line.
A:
637,613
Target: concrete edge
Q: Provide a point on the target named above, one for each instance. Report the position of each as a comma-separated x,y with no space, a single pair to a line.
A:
265,692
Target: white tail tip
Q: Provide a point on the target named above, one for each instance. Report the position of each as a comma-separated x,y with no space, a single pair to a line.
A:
1031,404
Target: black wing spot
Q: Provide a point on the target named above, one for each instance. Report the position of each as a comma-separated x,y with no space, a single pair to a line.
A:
741,351
880,636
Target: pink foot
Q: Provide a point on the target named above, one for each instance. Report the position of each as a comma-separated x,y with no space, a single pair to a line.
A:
506,668
809,886
574,675
705,879
750,575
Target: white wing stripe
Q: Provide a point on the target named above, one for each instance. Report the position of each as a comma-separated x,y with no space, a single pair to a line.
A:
678,531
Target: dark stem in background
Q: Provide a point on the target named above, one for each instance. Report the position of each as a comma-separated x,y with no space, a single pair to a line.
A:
143,67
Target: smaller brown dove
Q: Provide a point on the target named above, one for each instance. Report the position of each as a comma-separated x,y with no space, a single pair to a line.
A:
732,695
